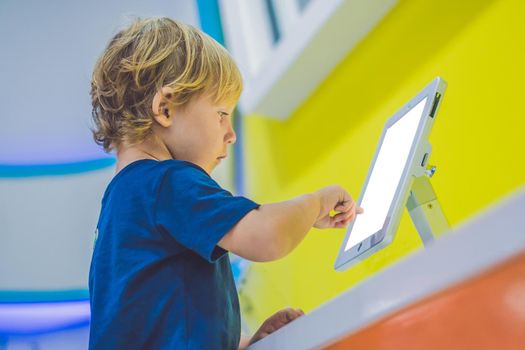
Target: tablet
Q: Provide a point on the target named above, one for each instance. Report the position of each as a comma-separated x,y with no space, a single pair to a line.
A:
401,155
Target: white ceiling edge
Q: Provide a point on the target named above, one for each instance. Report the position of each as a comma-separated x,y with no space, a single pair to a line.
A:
326,33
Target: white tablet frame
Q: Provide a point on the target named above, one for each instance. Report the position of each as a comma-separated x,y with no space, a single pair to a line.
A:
414,168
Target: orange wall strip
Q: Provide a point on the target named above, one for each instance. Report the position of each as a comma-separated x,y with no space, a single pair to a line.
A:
486,312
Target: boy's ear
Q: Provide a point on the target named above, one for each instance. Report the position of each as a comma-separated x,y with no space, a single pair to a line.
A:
162,109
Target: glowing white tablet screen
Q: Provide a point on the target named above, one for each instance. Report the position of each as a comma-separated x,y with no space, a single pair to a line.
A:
386,175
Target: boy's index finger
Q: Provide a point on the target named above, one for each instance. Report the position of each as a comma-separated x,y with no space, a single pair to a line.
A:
345,206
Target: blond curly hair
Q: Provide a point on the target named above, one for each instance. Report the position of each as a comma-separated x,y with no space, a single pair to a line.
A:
146,56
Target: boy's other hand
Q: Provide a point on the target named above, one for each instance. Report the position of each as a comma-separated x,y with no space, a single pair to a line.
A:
275,322
337,199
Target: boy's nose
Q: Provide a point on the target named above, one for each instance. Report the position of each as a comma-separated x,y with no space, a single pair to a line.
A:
230,136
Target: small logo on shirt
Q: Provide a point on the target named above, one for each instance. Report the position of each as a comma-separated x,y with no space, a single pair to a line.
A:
96,236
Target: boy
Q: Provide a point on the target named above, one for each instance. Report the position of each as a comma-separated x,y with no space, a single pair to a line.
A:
163,94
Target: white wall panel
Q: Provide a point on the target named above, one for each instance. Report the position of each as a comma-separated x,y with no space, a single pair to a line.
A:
46,229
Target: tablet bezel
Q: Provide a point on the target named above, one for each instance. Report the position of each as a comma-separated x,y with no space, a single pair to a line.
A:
415,166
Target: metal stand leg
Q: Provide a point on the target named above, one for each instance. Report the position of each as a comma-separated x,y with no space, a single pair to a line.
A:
425,210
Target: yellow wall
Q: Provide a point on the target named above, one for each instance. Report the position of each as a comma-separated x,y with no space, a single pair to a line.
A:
478,47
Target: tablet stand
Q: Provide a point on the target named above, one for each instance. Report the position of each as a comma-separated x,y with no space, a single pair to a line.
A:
424,208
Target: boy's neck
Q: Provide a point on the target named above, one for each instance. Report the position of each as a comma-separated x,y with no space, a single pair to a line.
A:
149,149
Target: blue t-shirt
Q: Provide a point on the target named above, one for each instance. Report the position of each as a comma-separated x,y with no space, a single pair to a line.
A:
158,280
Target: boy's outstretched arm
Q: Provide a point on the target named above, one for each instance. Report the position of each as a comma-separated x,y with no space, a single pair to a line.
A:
272,231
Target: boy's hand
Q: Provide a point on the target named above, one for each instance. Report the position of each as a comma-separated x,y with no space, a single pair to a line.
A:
275,322
336,198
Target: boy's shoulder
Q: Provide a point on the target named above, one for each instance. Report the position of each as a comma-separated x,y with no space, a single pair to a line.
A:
159,168
150,174
183,165
176,171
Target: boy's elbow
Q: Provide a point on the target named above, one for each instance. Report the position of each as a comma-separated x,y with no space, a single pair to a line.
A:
266,255
279,245
274,252
270,253
258,238
270,244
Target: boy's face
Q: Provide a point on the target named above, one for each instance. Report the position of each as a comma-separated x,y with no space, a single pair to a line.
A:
199,133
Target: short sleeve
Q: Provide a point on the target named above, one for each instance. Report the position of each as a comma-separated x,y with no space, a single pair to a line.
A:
193,209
